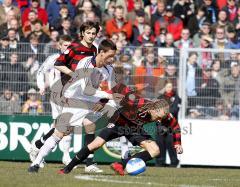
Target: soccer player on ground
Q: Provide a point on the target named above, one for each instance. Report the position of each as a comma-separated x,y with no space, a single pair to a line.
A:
128,121
84,93
54,75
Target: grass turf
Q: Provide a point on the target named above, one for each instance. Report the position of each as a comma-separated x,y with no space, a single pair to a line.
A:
15,174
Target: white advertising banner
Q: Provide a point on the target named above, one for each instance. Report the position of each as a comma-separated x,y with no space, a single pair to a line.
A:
208,142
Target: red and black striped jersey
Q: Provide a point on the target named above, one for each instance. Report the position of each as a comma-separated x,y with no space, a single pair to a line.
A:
129,114
74,53
173,126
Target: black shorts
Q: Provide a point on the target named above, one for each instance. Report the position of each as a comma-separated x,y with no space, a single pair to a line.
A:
135,134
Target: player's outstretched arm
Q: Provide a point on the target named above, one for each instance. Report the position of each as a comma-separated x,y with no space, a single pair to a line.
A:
176,132
64,69
47,65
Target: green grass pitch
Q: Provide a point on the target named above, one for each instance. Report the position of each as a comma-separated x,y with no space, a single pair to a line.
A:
15,174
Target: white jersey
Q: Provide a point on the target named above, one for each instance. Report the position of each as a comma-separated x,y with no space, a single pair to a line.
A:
87,88
53,76
48,67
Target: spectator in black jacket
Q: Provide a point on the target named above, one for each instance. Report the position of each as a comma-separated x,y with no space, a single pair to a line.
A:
183,10
207,89
14,76
164,138
195,22
4,49
138,26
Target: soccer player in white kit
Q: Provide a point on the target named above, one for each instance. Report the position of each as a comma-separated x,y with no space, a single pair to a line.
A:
53,76
82,92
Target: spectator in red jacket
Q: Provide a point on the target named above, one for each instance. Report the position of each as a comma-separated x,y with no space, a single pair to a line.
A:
231,9
146,36
118,23
173,24
27,27
41,13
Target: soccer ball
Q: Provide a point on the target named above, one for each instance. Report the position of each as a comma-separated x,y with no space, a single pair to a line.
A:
135,166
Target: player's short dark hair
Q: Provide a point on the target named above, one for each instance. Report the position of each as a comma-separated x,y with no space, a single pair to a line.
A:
64,37
89,25
106,45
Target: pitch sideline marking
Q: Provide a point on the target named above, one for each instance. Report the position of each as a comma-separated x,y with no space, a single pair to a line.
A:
223,179
106,179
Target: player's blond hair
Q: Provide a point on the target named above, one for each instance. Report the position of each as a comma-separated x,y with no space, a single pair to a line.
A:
156,105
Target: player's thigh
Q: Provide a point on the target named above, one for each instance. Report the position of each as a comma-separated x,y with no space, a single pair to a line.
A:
62,125
151,146
89,126
70,118
77,115
56,110
110,132
136,135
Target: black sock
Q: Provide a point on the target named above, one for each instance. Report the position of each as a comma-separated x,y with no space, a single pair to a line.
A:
78,158
88,139
39,143
144,155
46,136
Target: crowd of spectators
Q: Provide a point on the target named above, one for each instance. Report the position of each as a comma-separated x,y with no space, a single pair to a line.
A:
143,30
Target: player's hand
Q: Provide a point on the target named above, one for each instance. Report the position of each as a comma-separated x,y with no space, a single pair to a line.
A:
178,148
98,107
42,91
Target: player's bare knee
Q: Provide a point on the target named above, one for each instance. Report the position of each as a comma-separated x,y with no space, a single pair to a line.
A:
89,126
151,147
156,151
58,133
96,143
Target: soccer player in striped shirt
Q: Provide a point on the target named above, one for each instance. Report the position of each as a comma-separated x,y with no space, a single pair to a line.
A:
128,121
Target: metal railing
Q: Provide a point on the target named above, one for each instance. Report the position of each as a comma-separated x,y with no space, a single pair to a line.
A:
142,68
213,92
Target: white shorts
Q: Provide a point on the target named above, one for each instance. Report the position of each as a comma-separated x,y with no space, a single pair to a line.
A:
56,110
78,114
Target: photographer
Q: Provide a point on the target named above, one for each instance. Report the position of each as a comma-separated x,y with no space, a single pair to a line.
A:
164,137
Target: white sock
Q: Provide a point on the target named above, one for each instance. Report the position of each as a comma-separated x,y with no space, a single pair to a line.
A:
48,146
66,144
124,147
90,156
